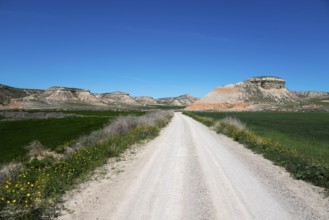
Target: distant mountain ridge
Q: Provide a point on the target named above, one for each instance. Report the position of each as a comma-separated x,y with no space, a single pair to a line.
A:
64,97
264,93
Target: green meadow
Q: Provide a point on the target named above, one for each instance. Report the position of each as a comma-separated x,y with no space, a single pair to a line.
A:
307,132
51,133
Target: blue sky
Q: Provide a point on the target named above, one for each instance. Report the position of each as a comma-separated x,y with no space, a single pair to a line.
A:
163,47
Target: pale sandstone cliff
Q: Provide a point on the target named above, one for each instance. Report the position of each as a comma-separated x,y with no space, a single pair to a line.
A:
145,100
247,95
118,98
183,100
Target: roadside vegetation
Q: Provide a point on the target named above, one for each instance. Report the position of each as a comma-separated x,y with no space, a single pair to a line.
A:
33,189
297,141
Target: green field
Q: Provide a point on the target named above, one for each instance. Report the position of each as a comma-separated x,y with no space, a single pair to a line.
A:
167,107
308,133
105,113
14,135
96,113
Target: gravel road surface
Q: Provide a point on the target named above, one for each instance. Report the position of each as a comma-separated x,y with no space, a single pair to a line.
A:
190,172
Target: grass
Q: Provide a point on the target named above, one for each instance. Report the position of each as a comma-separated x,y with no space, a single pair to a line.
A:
306,132
52,133
95,113
167,107
106,113
279,137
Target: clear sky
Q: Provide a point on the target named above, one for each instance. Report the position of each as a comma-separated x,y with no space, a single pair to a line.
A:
163,47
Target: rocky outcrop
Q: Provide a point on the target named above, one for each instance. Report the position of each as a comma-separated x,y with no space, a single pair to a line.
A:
55,97
75,98
247,95
268,82
62,95
118,98
183,100
145,100
7,93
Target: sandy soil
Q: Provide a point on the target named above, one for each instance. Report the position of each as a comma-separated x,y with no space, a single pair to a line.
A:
190,172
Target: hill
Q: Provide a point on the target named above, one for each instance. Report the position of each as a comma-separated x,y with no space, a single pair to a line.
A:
255,94
7,93
183,100
75,98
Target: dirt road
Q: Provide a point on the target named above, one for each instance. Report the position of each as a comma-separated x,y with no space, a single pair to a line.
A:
190,172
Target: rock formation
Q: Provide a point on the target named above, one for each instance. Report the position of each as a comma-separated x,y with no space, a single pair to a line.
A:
55,97
252,94
268,82
68,98
7,93
118,98
64,94
145,100
183,100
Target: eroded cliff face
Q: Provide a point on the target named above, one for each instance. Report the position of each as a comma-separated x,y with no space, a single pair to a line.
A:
145,100
7,93
55,97
75,98
247,95
63,94
268,82
183,100
118,98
